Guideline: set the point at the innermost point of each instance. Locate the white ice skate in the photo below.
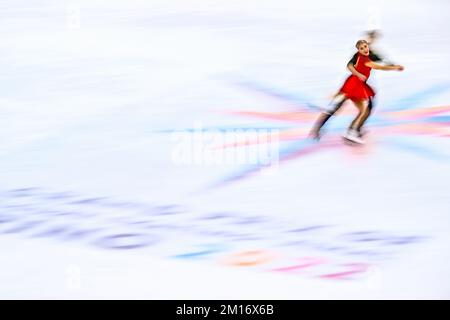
(353, 136)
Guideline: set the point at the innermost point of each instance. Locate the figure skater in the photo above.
(356, 89)
(375, 56)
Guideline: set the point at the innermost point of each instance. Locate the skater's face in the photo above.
(363, 48)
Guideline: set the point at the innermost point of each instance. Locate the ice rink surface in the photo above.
(110, 114)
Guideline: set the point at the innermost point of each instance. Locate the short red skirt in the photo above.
(355, 89)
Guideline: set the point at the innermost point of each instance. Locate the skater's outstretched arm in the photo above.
(377, 66)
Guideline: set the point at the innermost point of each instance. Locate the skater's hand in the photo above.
(361, 77)
(400, 68)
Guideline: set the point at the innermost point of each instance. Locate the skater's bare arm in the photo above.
(352, 69)
(377, 66)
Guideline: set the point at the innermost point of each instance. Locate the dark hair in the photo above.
(373, 33)
(360, 42)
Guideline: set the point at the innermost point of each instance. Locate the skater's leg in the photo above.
(352, 133)
(325, 116)
(362, 115)
(366, 115)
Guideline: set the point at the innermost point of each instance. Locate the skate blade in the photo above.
(352, 142)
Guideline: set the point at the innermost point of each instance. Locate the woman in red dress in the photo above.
(356, 89)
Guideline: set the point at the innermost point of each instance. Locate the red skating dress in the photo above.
(354, 88)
